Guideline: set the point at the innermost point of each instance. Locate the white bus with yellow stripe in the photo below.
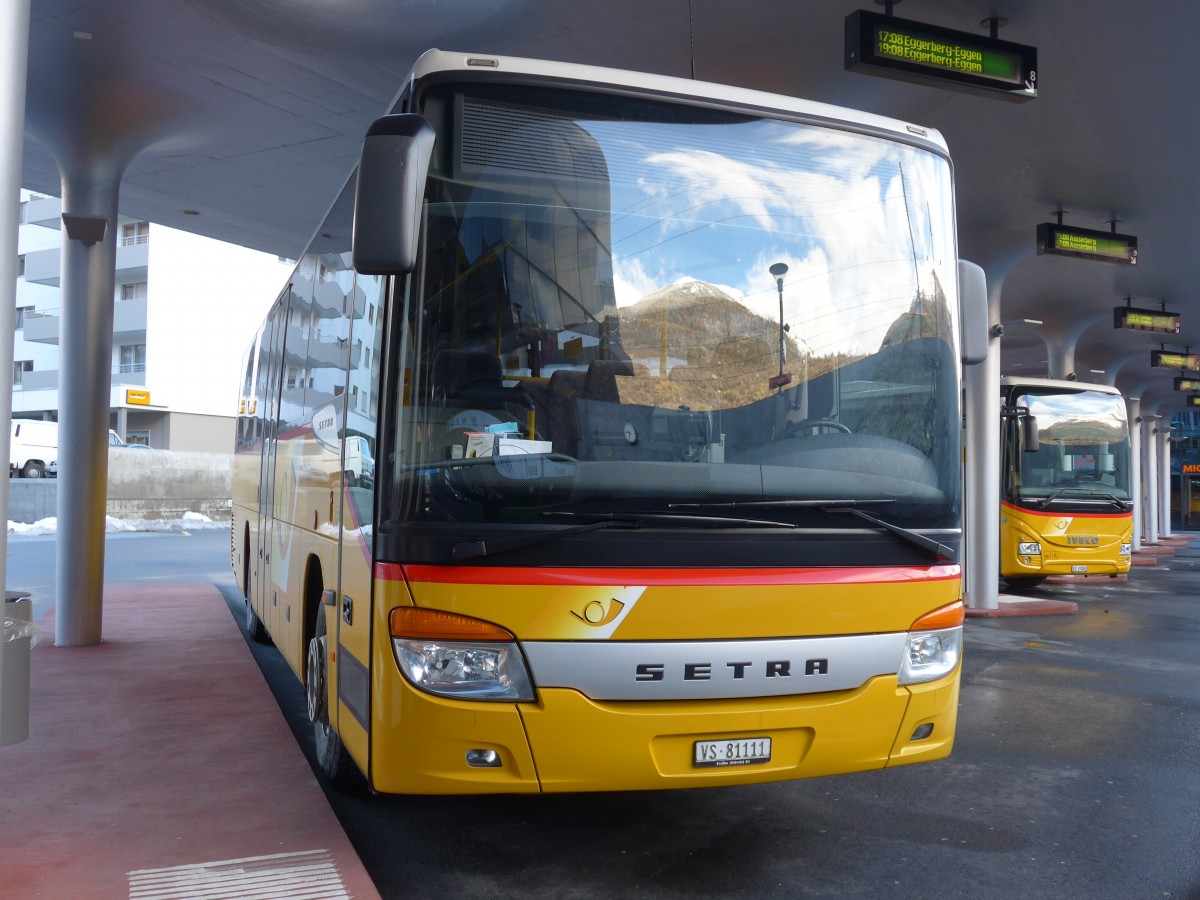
(660, 381)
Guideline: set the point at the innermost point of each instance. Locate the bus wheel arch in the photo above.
(332, 757)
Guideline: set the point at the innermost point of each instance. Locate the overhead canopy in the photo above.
(240, 121)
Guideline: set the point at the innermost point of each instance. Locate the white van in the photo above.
(360, 465)
(33, 448)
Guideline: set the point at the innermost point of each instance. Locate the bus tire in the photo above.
(32, 469)
(332, 757)
(254, 626)
(1024, 582)
(255, 629)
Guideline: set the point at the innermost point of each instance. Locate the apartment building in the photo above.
(185, 309)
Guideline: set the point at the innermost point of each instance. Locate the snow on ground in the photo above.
(190, 521)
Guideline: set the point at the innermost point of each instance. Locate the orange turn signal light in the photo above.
(948, 616)
(435, 625)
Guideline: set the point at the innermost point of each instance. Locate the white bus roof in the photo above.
(1062, 383)
(433, 61)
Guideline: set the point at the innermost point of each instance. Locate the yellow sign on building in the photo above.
(135, 397)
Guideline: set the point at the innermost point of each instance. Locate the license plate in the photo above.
(1079, 570)
(736, 752)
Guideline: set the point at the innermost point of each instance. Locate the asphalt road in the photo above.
(1076, 774)
(129, 558)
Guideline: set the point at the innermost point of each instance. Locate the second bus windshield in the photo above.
(632, 304)
(1083, 451)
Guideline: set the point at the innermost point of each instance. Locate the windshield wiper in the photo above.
(478, 549)
(1088, 494)
(938, 549)
(1051, 497)
(1115, 500)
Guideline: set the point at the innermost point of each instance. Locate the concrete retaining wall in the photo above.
(142, 484)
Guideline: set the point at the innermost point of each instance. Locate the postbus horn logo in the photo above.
(599, 613)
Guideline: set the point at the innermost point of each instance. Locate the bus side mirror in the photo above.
(973, 308)
(1030, 441)
(389, 195)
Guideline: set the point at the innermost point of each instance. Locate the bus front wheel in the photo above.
(254, 626)
(332, 757)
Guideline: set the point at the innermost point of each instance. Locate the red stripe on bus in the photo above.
(660, 577)
(1065, 515)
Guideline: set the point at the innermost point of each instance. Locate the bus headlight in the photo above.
(1029, 548)
(1126, 550)
(934, 644)
(456, 656)
(930, 655)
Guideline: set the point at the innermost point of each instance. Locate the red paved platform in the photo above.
(159, 765)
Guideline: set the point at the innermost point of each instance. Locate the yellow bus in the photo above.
(1066, 506)
(659, 384)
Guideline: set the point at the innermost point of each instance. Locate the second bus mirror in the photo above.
(389, 194)
(1030, 440)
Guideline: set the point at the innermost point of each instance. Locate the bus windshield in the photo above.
(626, 304)
(1083, 453)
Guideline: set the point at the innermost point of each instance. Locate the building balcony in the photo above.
(43, 267)
(46, 380)
(129, 376)
(133, 259)
(129, 321)
(44, 211)
(41, 328)
(129, 324)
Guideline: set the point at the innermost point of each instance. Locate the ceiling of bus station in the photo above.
(248, 115)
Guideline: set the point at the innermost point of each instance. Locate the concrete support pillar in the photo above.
(1150, 484)
(1060, 357)
(1164, 477)
(89, 205)
(14, 56)
(123, 423)
(1061, 343)
(1134, 406)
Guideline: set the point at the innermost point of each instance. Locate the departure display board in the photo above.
(1087, 243)
(884, 45)
(1194, 400)
(1165, 359)
(1187, 384)
(1145, 320)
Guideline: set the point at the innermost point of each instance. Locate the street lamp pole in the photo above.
(778, 270)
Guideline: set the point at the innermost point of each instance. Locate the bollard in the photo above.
(14, 668)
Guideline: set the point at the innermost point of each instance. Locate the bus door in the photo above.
(273, 345)
(353, 629)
